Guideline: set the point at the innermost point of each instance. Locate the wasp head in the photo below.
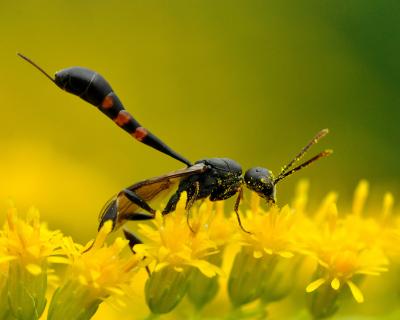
(261, 181)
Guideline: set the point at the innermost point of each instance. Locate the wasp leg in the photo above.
(191, 188)
(134, 239)
(138, 216)
(192, 193)
(109, 213)
(237, 203)
(138, 200)
(172, 202)
(111, 210)
(192, 197)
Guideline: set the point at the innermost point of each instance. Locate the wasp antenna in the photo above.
(36, 66)
(303, 151)
(320, 155)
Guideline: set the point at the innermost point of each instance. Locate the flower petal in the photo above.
(34, 269)
(315, 285)
(335, 284)
(356, 292)
(206, 268)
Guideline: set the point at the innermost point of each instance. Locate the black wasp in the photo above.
(216, 178)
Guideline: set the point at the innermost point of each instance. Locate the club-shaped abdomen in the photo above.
(85, 83)
(261, 181)
(93, 88)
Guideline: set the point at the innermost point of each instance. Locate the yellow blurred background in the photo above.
(249, 80)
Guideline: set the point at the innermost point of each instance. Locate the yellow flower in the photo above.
(29, 247)
(178, 245)
(326, 253)
(173, 243)
(344, 251)
(93, 276)
(4, 309)
(271, 232)
(269, 240)
(30, 242)
(203, 289)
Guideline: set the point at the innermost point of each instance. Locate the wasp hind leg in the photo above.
(138, 201)
(133, 240)
(110, 210)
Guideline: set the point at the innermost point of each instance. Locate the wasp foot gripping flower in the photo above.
(270, 240)
(29, 247)
(92, 277)
(176, 250)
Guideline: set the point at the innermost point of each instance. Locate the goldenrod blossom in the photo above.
(202, 289)
(269, 239)
(327, 252)
(173, 243)
(343, 252)
(93, 276)
(29, 246)
(176, 248)
(4, 309)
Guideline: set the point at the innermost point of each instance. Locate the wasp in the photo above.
(213, 178)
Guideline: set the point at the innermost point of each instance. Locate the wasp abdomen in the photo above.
(93, 88)
(84, 83)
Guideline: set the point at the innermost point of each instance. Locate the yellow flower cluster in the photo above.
(201, 264)
(27, 252)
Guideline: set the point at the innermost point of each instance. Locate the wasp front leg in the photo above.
(237, 203)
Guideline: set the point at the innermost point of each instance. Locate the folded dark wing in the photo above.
(151, 188)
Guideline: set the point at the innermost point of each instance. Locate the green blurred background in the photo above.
(249, 80)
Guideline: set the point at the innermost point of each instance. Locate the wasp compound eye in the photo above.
(261, 181)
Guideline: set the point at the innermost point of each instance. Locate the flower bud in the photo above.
(73, 301)
(165, 288)
(248, 276)
(4, 309)
(322, 302)
(281, 280)
(203, 289)
(27, 290)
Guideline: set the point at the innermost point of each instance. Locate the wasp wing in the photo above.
(147, 190)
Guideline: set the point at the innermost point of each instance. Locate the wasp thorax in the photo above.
(261, 180)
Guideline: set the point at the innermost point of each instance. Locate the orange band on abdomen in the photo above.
(140, 133)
